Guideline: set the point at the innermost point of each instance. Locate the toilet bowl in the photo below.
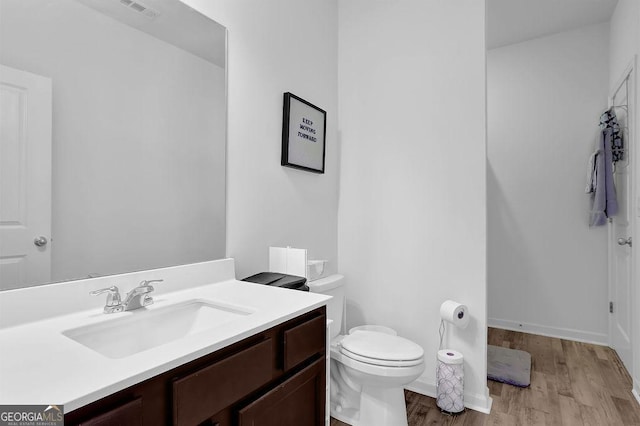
(369, 367)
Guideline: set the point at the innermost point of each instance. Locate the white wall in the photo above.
(135, 125)
(547, 268)
(624, 44)
(277, 46)
(624, 39)
(412, 222)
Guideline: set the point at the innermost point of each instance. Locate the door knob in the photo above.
(622, 241)
(40, 241)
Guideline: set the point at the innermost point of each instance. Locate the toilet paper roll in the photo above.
(449, 356)
(455, 313)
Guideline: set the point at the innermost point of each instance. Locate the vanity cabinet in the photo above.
(276, 377)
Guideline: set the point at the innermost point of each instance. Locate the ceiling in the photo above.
(514, 21)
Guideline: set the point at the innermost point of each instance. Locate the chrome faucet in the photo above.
(139, 296)
(136, 298)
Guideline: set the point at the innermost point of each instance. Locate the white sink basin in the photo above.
(146, 329)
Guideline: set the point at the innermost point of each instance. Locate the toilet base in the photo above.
(348, 416)
(378, 407)
(383, 406)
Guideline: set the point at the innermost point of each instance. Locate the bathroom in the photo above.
(401, 209)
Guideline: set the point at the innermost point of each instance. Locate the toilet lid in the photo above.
(381, 349)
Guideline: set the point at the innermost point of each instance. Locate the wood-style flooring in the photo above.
(572, 384)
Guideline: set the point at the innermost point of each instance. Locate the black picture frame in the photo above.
(304, 129)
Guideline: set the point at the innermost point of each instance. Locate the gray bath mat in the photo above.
(509, 366)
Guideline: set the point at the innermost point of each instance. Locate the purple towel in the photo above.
(605, 203)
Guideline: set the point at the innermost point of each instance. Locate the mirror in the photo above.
(138, 137)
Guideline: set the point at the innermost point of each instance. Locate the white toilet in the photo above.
(369, 367)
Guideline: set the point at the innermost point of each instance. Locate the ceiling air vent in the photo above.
(140, 8)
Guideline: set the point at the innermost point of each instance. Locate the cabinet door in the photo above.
(299, 401)
(303, 341)
(202, 394)
(129, 414)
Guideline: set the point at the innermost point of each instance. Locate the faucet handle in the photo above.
(147, 283)
(114, 302)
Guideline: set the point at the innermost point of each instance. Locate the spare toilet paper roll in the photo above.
(455, 313)
(449, 356)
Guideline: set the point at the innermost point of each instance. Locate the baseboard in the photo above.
(543, 330)
(477, 402)
(636, 391)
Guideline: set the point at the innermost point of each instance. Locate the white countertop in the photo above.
(39, 365)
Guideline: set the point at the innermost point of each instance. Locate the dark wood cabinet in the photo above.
(303, 341)
(276, 377)
(129, 413)
(208, 390)
(297, 401)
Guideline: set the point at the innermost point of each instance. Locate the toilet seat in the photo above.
(381, 349)
(376, 328)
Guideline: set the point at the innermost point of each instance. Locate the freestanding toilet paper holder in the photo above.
(450, 366)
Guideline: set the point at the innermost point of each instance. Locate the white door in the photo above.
(620, 230)
(25, 178)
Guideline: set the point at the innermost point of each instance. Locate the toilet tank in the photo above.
(332, 285)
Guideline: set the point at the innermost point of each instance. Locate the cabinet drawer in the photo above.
(129, 414)
(303, 341)
(299, 401)
(202, 394)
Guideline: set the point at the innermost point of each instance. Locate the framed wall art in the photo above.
(303, 134)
